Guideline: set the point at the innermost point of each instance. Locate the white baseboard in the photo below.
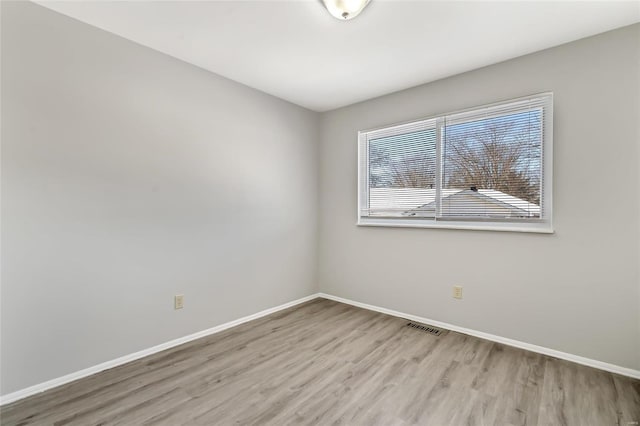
(41, 387)
(624, 371)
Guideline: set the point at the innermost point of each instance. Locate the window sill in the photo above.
(538, 228)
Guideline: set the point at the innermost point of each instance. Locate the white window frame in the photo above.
(537, 225)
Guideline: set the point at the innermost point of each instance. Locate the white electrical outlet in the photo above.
(457, 292)
(178, 301)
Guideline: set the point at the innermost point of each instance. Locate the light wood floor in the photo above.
(327, 363)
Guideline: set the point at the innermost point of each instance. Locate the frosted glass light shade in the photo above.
(345, 9)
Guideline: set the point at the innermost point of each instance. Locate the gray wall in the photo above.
(574, 291)
(128, 177)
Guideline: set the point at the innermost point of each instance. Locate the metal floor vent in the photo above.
(426, 328)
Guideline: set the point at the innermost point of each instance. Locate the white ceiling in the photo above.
(295, 50)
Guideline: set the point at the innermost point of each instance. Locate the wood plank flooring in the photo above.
(327, 363)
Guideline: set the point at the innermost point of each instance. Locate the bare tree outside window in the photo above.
(501, 154)
(414, 170)
(403, 161)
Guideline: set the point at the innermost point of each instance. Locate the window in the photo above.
(483, 168)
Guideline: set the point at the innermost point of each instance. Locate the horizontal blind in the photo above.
(492, 162)
(401, 170)
(484, 164)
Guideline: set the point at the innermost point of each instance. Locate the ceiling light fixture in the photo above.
(345, 9)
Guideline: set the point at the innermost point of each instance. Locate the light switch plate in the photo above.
(178, 301)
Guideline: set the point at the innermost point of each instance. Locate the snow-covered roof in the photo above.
(401, 200)
(404, 198)
(519, 203)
